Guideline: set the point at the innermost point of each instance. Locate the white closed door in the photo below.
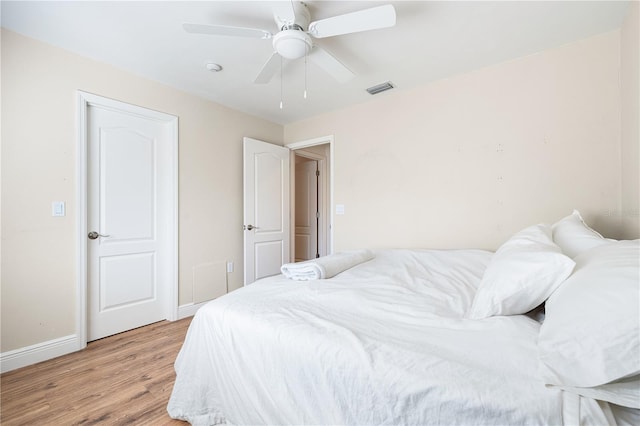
(266, 184)
(129, 220)
(307, 213)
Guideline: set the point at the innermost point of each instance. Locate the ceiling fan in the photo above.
(294, 39)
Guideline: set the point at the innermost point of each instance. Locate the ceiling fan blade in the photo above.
(226, 31)
(284, 13)
(363, 20)
(330, 64)
(269, 69)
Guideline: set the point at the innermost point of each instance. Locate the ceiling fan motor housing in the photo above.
(298, 15)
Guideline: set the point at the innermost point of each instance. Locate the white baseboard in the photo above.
(44, 351)
(33, 354)
(189, 309)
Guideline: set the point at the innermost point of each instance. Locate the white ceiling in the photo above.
(431, 40)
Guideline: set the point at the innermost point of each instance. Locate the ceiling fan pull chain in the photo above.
(280, 82)
(305, 74)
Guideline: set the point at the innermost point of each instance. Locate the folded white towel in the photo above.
(325, 266)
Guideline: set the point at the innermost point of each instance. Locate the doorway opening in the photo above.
(311, 203)
(307, 208)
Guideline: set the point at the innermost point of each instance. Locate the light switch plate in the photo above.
(57, 209)
(339, 208)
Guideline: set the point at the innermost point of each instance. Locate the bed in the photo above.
(427, 337)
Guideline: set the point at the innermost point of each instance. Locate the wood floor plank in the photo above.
(119, 380)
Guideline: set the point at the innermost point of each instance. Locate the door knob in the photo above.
(93, 235)
(249, 227)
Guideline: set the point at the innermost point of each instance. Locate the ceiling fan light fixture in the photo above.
(292, 44)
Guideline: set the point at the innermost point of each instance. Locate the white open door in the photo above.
(266, 209)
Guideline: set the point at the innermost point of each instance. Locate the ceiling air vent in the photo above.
(373, 90)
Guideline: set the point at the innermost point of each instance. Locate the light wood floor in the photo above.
(122, 379)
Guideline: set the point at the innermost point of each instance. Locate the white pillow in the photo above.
(591, 333)
(574, 236)
(521, 275)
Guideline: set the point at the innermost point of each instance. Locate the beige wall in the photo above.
(467, 161)
(462, 162)
(630, 134)
(39, 85)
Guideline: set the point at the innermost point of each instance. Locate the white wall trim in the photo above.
(33, 354)
(311, 142)
(322, 141)
(81, 220)
(190, 309)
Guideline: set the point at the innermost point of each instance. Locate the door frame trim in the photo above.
(84, 101)
(322, 140)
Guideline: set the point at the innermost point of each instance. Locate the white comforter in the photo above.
(382, 343)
